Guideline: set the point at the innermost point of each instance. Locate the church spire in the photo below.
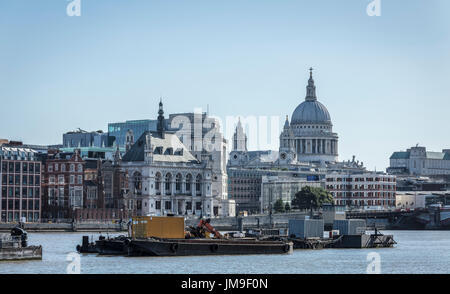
(311, 88)
(160, 127)
(286, 123)
(239, 138)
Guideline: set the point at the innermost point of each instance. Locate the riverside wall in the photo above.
(224, 223)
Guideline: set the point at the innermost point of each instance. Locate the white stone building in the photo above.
(202, 136)
(309, 136)
(418, 161)
(166, 178)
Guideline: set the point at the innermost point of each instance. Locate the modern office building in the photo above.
(102, 153)
(20, 181)
(284, 187)
(81, 138)
(245, 185)
(365, 190)
(118, 131)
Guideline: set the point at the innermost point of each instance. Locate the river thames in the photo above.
(417, 252)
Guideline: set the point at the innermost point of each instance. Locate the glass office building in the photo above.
(119, 130)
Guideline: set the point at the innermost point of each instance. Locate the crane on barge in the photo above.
(201, 229)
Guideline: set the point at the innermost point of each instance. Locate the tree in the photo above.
(287, 207)
(311, 198)
(278, 206)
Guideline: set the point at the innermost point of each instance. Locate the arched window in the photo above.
(178, 183)
(158, 183)
(198, 185)
(168, 184)
(80, 168)
(137, 183)
(188, 183)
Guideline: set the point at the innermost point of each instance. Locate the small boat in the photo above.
(14, 246)
(86, 246)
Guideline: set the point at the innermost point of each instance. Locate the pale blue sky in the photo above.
(385, 80)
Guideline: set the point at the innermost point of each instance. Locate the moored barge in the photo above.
(188, 247)
(166, 236)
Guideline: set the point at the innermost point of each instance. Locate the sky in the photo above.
(384, 79)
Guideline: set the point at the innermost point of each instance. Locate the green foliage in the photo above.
(278, 206)
(311, 198)
(287, 207)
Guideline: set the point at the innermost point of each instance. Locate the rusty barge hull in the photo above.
(196, 247)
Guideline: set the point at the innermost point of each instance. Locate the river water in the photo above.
(417, 252)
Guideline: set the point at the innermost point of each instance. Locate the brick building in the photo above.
(62, 185)
(105, 191)
(20, 182)
(365, 190)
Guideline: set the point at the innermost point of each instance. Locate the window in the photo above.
(158, 184)
(168, 184)
(51, 180)
(198, 185)
(50, 168)
(178, 183)
(72, 168)
(60, 179)
(80, 168)
(188, 183)
(80, 180)
(56, 167)
(198, 205)
(72, 179)
(168, 205)
(137, 180)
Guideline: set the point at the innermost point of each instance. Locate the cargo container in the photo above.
(306, 228)
(157, 226)
(350, 226)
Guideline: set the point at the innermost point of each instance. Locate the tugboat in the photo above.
(14, 246)
(86, 246)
